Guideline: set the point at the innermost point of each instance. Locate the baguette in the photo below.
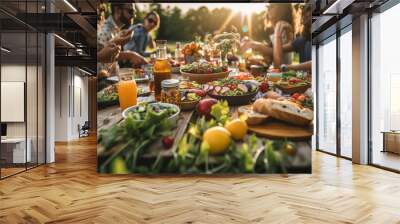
(284, 110)
(253, 118)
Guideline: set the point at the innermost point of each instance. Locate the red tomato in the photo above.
(301, 98)
(295, 95)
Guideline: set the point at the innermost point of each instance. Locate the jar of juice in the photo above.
(162, 68)
(170, 91)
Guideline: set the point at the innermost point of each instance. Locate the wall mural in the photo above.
(204, 88)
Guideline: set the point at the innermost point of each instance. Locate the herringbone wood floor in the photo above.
(70, 191)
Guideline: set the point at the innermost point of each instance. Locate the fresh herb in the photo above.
(220, 112)
(125, 142)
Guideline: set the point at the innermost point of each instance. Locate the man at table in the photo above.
(115, 30)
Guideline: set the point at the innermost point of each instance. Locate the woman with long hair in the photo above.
(301, 44)
(141, 38)
(274, 14)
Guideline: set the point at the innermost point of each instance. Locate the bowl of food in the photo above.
(185, 84)
(235, 92)
(293, 85)
(138, 112)
(190, 98)
(107, 97)
(274, 75)
(138, 74)
(203, 72)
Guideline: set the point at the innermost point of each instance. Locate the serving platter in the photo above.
(235, 100)
(293, 89)
(204, 78)
(277, 129)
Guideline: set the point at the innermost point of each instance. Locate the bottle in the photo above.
(162, 68)
(178, 53)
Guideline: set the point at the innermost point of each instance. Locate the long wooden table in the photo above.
(111, 115)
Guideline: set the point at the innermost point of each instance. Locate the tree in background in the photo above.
(178, 26)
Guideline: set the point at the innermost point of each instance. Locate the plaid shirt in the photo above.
(107, 31)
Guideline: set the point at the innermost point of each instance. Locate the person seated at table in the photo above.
(114, 30)
(301, 44)
(109, 53)
(141, 38)
(274, 14)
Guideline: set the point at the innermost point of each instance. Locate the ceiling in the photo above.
(331, 14)
(72, 20)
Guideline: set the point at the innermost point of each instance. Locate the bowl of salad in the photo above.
(235, 92)
(190, 98)
(138, 112)
(203, 72)
(107, 97)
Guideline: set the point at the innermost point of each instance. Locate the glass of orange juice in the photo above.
(127, 91)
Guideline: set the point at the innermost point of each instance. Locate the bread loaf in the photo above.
(253, 118)
(284, 110)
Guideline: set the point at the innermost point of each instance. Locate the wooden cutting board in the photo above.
(279, 129)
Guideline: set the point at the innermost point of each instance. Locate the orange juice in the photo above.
(127, 93)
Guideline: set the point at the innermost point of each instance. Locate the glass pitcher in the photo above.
(162, 68)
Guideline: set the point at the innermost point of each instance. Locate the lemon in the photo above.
(217, 139)
(237, 128)
(118, 166)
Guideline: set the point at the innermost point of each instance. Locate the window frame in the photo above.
(347, 23)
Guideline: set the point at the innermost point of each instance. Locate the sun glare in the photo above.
(245, 8)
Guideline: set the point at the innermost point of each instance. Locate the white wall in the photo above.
(70, 83)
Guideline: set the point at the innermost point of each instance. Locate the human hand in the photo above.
(109, 53)
(123, 37)
(245, 44)
(281, 27)
(136, 59)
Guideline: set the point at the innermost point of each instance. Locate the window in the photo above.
(346, 93)
(327, 96)
(22, 77)
(385, 88)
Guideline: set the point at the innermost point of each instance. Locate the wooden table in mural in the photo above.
(109, 116)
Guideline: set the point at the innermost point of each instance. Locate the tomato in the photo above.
(301, 97)
(167, 142)
(263, 87)
(295, 95)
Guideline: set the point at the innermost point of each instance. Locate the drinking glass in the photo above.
(127, 91)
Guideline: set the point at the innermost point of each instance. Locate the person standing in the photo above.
(301, 44)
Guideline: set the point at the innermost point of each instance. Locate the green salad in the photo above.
(230, 87)
(140, 112)
(108, 94)
(203, 67)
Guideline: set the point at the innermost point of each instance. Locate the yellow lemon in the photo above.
(118, 166)
(237, 128)
(218, 139)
